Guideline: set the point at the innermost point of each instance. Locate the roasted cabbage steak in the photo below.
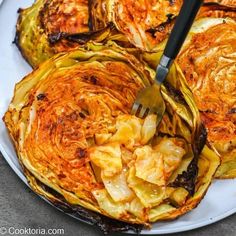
(42, 29)
(80, 148)
(208, 62)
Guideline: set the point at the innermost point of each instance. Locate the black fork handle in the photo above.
(182, 26)
(178, 34)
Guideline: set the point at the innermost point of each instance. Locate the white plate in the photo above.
(220, 200)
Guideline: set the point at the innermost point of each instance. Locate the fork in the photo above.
(149, 100)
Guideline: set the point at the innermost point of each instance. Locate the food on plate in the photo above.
(218, 9)
(208, 62)
(52, 26)
(41, 26)
(223, 2)
(145, 23)
(81, 149)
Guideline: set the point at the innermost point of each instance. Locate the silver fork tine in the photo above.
(134, 108)
(142, 112)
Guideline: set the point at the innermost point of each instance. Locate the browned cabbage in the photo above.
(81, 149)
(42, 28)
(208, 61)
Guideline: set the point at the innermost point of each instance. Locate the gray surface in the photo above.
(20, 207)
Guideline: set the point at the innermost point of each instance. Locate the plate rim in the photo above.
(176, 229)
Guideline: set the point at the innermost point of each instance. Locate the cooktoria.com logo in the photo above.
(29, 231)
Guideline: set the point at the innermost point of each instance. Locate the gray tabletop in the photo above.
(20, 208)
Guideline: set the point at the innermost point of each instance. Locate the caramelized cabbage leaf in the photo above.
(80, 147)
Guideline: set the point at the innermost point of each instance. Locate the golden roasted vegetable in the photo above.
(80, 147)
(218, 9)
(222, 2)
(145, 23)
(208, 61)
(52, 26)
(41, 28)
